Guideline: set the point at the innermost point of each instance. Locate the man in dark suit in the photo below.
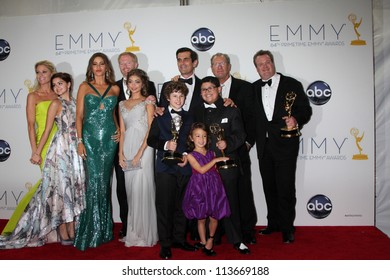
(278, 155)
(241, 93)
(187, 61)
(211, 112)
(127, 61)
(171, 179)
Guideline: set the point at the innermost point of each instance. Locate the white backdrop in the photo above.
(311, 41)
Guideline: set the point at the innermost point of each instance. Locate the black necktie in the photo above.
(176, 112)
(187, 81)
(269, 82)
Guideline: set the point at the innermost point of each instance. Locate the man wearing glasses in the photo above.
(240, 91)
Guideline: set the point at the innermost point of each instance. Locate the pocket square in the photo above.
(224, 120)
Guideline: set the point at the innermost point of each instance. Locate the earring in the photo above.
(91, 75)
(107, 76)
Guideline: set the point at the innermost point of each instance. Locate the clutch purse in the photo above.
(130, 167)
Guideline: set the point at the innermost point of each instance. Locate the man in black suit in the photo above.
(187, 61)
(211, 112)
(171, 179)
(278, 155)
(127, 61)
(241, 93)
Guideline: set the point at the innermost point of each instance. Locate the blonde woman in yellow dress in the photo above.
(38, 102)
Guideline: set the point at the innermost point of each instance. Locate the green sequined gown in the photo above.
(96, 223)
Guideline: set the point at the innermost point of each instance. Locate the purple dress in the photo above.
(205, 194)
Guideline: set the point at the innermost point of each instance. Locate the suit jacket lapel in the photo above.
(233, 89)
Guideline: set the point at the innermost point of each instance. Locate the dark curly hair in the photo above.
(175, 87)
(109, 75)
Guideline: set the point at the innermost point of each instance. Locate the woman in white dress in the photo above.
(137, 160)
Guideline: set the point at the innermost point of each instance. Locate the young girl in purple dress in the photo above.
(205, 196)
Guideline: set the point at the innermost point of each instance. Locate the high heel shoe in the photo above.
(66, 242)
(209, 252)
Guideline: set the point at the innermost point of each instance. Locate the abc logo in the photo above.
(319, 206)
(5, 150)
(319, 92)
(203, 39)
(5, 49)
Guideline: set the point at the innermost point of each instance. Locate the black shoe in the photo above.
(267, 231)
(165, 253)
(184, 246)
(288, 237)
(242, 248)
(122, 234)
(199, 245)
(209, 252)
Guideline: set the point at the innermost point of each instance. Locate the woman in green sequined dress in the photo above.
(98, 135)
(38, 102)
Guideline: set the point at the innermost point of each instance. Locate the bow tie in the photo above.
(176, 112)
(210, 105)
(269, 83)
(187, 81)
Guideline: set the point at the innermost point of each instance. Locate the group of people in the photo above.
(206, 192)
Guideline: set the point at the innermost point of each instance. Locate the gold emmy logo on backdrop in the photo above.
(130, 31)
(28, 186)
(237, 75)
(356, 25)
(355, 133)
(289, 132)
(29, 85)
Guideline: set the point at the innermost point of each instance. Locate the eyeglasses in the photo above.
(209, 89)
(219, 64)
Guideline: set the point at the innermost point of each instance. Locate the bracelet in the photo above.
(79, 140)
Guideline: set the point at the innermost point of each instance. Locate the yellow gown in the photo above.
(40, 120)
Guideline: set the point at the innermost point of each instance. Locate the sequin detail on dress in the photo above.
(96, 223)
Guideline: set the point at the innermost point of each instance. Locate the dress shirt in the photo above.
(125, 89)
(268, 95)
(209, 105)
(226, 87)
(187, 102)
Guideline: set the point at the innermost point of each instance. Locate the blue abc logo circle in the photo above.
(319, 206)
(5, 49)
(203, 39)
(319, 92)
(5, 150)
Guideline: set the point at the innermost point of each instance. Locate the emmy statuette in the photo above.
(218, 132)
(287, 132)
(173, 157)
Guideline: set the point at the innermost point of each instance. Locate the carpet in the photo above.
(311, 243)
